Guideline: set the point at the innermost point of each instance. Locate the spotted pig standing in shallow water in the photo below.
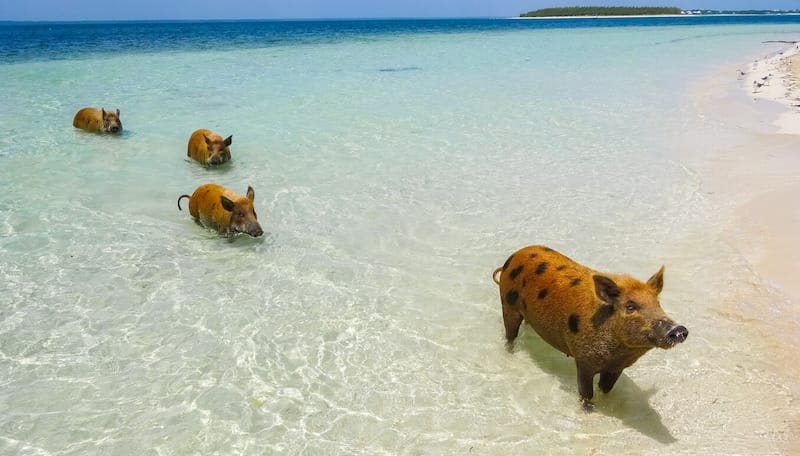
(97, 120)
(604, 321)
(217, 207)
(208, 148)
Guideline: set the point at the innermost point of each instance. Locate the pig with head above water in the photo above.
(217, 207)
(97, 120)
(604, 321)
(208, 148)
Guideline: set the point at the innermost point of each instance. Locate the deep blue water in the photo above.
(25, 41)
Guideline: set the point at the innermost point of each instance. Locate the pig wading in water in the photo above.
(208, 148)
(604, 321)
(97, 120)
(217, 207)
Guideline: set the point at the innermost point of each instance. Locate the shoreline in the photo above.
(745, 150)
(757, 174)
(777, 78)
(773, 216)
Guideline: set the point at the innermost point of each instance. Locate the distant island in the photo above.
(603, 11)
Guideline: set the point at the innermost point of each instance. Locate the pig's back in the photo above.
(197, 148)
(88, 119)
(206, 205)
(549, 289)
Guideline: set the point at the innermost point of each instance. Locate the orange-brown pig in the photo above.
(217, 207)
(97, 120)
(208, 148)
(604, 321)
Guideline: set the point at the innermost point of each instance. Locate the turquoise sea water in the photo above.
(395, 164)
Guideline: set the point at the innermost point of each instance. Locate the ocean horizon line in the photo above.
(232, 20)
(388, 18)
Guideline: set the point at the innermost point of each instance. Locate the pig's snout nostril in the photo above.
(678, 334)
(114, 129)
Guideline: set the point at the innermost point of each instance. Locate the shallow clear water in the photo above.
(393, 173)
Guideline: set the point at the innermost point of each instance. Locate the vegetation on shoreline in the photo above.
(602, 11)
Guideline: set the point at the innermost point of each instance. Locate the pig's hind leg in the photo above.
(512, 319)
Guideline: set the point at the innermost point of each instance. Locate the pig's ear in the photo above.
(117, 112)
(208, 141)
(656, 282)
(251, 195)
(228, 140)
(606, 289)
(103, 112)
(226, 203)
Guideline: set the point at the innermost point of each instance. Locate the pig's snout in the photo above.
(114, 129)
(677, 334)
(255, 230)
(666, 334)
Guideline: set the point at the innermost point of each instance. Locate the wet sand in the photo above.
(772, 216)
(758, 174)
(747, 156)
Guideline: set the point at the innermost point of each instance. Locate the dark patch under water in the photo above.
(398, 69)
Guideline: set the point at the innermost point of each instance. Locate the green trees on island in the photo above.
(602, 11)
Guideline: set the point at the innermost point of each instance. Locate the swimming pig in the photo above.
(209, 148)
(97, 120)
(604, 321)
(216, 207)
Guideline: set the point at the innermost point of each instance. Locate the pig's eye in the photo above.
(631, 307)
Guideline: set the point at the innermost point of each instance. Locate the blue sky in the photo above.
(70, 10)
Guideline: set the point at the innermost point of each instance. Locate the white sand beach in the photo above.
(754, 169)
(750, 168)
(777, 78)
(769, 221)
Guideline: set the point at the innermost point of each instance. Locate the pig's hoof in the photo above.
(588, 407)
